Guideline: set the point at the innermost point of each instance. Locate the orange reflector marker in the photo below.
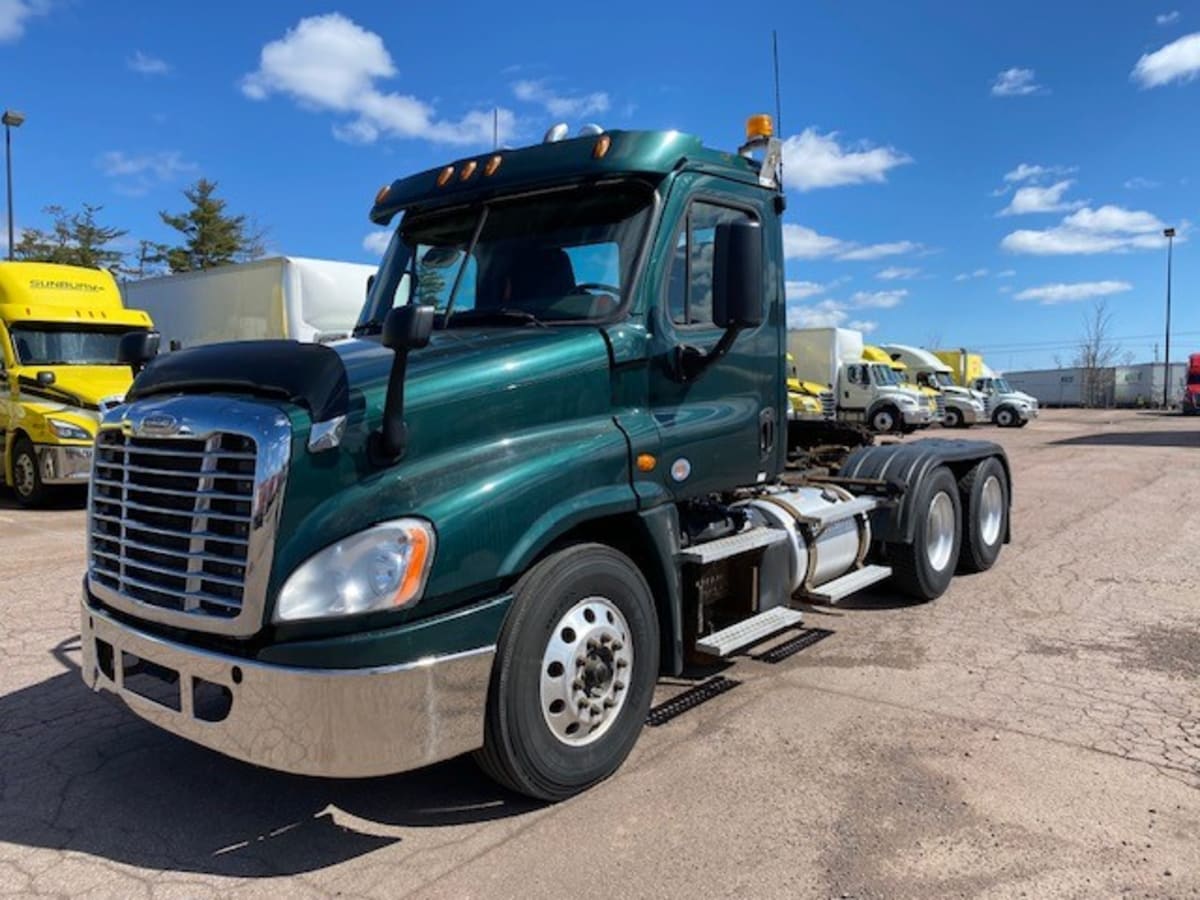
(492, 165)
(468, 170)
(445, 175)
(419, 543)
(383, 192)
(759, 126)
(645, 462)
(602, 144)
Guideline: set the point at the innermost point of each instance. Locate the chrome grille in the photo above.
(171, 519)
(941, 405)
(828, 406)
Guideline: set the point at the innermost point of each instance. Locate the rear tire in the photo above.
(26, 477)
(923, 568)
(984, 492)
(574, 674)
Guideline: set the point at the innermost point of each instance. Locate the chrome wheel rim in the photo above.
(884, 421)
(23, 475)
(939, 531)
(1004, 417)
(586, 668)
(991, 510)
(952, 418)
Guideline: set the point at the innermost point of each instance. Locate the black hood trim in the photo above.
(309, 375)
(33, 388)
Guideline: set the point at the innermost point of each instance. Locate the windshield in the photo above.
(69, 345)
(1002, 386)
(561, 256)
(883, 375)
(943, 379)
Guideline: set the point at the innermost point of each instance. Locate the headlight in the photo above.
(384, 567)
(67, 431)
(907, 401)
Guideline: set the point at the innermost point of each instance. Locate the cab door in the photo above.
(857, 392)
(721, 428)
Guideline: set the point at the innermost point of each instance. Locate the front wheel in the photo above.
(953, 418)
(574, 674)
(923, 567)
(885, 420)
(26, 477)
(1005, 417)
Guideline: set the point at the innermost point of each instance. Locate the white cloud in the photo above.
(15, 15)
(813, 160)
(1028, 172)
(878, 251)
(137, 174)
(377, 242)
(147, 65)
(1177, 61)
(799, 290)
(559, 105)
(332, 64)
(1006, 273)
(967, 276)
(1052, 294)
(1031, 198)
(877, 299)
(1016, 83)
(1108, 229)
(1138, 183)
(864, 325)
(1167, 18)
(800, 242)
(826, 314)
(897, 273)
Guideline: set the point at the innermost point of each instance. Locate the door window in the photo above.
(689, 287)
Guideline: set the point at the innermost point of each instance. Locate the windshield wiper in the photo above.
(502, 315)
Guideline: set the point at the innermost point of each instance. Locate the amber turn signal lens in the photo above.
(602, 144)
(645, 462)
(382, 194)
(759, 126)
(468, 170)
(445, 175)
(492, 165)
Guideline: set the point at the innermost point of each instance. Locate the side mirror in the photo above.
(370, 284)
(406, 328)
(137, 348)
(45, 379)
(738, 275)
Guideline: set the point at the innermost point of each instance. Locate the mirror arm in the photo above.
(692, 362)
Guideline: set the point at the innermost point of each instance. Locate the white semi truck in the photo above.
(964, 407)
(865, 392)
(308, 300)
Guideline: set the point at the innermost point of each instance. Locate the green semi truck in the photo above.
(554, 463)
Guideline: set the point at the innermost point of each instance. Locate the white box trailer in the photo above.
(1051, 387)
(1142, 384)
(280, 297)
(818, 353)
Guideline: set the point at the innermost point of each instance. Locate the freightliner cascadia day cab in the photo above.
(963, 406)
(865, 392)
(280, 297)
(928, 393)
(549, 467)
(60, 327)
(1189, 403)
(1003, 405)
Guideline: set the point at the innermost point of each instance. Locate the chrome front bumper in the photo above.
(61, 464)
(919, 416)
(342, 723)
(970, 414)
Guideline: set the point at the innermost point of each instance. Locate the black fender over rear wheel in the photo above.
(574, 674)
(984, 492)
(923, 567)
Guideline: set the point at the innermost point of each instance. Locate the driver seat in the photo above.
(541, 273)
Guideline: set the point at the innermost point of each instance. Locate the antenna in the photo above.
(775, 55)
(495, 127)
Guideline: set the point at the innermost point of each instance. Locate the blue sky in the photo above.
(956, 171)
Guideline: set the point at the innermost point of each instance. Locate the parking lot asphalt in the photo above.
(1034, 732)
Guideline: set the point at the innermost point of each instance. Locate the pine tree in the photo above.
(212, 237)
(75, 239)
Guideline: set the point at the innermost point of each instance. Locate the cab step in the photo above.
(833, 591)
(749, 631)
(754, 538)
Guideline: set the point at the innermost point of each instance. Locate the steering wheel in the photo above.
(598, 286)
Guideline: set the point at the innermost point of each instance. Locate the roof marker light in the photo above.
(382, 194)
(759, 126)
(602, 144)
(468, 170)
(445, 175)
(493, 164)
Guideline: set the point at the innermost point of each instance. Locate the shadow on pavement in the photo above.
(81, 772)
(1135, 439)
(59, 499)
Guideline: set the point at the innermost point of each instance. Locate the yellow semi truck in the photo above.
(60, 327)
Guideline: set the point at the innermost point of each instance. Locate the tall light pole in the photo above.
(1169, 234)
(11, 119)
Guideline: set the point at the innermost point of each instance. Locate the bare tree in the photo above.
(1096, 355)
(933, 340)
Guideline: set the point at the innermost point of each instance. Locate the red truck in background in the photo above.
(1190, 402)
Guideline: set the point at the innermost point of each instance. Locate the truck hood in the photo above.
(81, 387)
(965, 393)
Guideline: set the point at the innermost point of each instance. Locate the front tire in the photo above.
(984, 492)
(952, 419)
(1005, 417)
(923, 568)
(26, 477)
(574, 675)
(885, 420)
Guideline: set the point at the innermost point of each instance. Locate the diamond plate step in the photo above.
(841, 511)
(736, 544)
(749, 631)
(833, 591)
